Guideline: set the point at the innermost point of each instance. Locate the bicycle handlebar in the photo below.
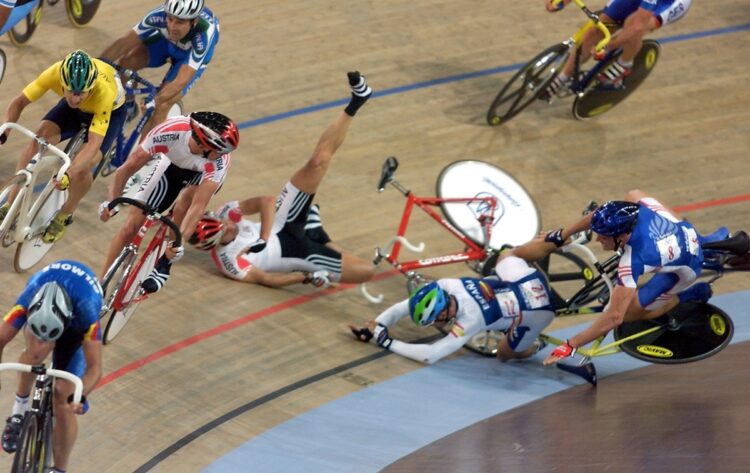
(148, 210)
(130, 74)
(601, 45)
(43, 143)
(41, 370)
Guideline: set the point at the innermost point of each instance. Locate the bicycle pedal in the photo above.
(69, 220)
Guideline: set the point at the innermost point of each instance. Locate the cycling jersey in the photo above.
(666, 11)
(660, 243)
(519, 302)
(178, 167)
(194, 49)
(82, 287)
(289, 248)
(106, 95)
(8, 3)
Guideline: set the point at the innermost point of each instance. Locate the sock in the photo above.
(21, 405)
(360, 92)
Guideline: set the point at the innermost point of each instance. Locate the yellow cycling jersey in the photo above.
(106, 95)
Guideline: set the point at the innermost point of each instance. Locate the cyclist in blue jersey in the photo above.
(181, 32)
(12, 11)
(518, 301)
(653, 239)
(59, 309)
(636, 18)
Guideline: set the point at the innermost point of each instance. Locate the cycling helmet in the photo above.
(184, 9)
(50, 312)
(426, 303)
(208, 232)
(78, 72)
(614, 218)
(214, 130)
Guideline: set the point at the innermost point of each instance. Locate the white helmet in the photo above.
(49, 312)
(184, 9)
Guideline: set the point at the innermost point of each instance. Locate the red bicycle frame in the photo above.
(156, 242)
(473, 251)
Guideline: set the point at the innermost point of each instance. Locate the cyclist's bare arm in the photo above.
(198, 205)
(258, 276)
(636, 195)
(171, 91)
(92, 353)
(135, 161)
(15, 108)
(121, 46)
(265, 206)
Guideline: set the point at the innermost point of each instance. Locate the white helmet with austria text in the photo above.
(184, 9)
(49, 312)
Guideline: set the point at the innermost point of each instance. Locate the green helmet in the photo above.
(78, 72)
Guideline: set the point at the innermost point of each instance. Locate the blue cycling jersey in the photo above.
(195, 49)
(497, 298)
(659, 243)
(82, 287)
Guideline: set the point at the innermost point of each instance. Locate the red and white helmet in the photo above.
(215, 131)
(208, 232)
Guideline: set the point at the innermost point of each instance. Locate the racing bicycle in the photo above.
(690, 332)
(36, 201)
(122, 282)
(27, 14)
(591, 97)
(496, 200)
(34, 452)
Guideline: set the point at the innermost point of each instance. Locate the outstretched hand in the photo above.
(560, 353)
(363, 334)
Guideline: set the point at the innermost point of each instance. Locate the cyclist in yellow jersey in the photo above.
(92, 94)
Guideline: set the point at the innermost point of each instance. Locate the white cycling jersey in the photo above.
(471, 319)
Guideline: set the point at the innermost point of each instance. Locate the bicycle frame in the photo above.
(22, 205)
(473, 252)
(158, 241)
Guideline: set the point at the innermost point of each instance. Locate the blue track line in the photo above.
(466, 76)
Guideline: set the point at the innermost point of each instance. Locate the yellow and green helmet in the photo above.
(78, 72)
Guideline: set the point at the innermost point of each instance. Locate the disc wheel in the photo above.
(24, 29)
(81, 12)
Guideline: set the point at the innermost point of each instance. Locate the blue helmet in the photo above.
(426, 303)
(614, 218)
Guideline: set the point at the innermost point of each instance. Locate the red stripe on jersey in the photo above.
(171, 125)
(159, 149)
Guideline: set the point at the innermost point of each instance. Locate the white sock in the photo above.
(21, 405)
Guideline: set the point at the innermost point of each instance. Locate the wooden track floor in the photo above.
(207, 345)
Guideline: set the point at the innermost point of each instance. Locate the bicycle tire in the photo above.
(26, 456)
(30, 252)
(596, 100)
(3, 64)
(536, 76)
(516, 212)
(120, 317)
(31, 21)
(81, 12)
(115, 276)
(45, 453)
(692, 331)
(7, 226)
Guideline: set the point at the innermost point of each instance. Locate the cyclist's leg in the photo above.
(308, 178)
(660, 294)
(68, 356)
(519, 341)
(125, 235)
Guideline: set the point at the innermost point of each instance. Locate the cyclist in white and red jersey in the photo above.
(652, 239)
(287, 246)
(194, 158)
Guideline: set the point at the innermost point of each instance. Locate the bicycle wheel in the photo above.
(121, 313)
(8, 225)
(45, 205)
(22, 31)
(80, 12)
(600, 99)
(44, 456)
(516, 216)
(26, 458)
(114, 278)
(527, 84)
(3, 62)
(691, 331)
(30, 251)
(485, 343)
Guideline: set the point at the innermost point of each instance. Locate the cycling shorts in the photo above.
(666, 11)
(71, 120)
